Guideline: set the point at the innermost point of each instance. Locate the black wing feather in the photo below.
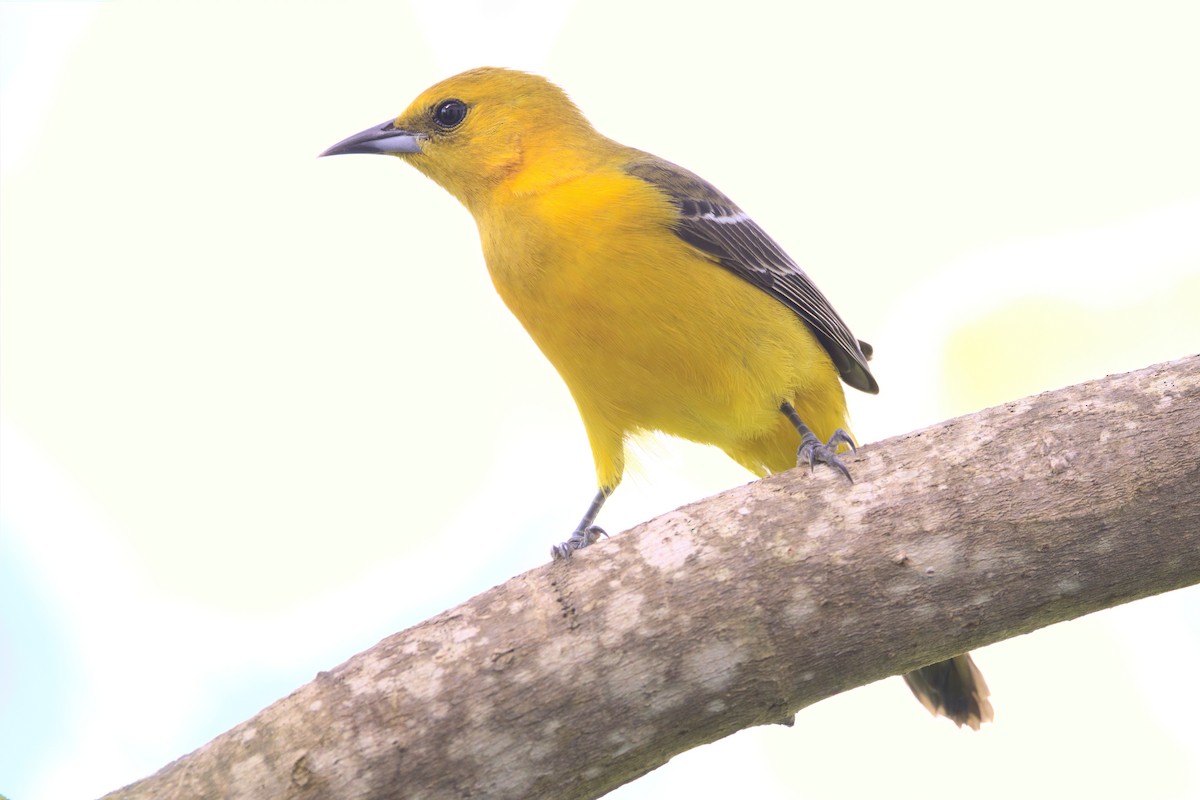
(713, 223)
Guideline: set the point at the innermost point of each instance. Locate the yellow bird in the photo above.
(662, 305)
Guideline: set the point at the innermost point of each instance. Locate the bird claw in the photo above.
(579, 540)
(812, 451)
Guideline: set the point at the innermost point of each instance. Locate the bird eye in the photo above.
(449, 113)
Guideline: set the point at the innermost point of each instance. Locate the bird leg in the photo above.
(585, 532)
(812, 450)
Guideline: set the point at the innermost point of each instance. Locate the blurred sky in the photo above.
(261, 410)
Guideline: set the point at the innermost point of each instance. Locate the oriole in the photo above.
(663, 306)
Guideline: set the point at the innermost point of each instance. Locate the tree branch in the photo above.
(574, 678)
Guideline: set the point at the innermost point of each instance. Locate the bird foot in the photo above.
(812, 451)
(579, 540)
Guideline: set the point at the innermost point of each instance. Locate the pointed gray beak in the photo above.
(385, 139)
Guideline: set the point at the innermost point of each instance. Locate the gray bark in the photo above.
(574, 678)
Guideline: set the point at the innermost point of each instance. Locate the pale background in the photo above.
(261, 410)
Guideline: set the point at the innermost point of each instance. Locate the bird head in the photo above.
(474, 131)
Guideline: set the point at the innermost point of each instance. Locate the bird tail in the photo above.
(955, 689)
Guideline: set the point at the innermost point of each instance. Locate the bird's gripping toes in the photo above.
(812, 450)
(586, 533)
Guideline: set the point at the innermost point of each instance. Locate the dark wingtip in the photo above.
(857, 376)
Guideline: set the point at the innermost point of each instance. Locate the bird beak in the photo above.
(385, 139)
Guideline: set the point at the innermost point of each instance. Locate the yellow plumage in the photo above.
(649, 334)
(663, 306)
(645, 329)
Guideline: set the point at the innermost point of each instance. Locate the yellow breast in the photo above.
(647, 332)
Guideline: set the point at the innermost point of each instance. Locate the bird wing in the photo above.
(713, 223)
